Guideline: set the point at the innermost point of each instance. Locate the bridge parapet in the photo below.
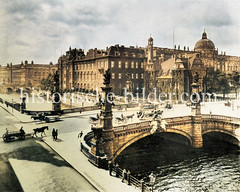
(131, 126)
(191, 127)
(222, 118)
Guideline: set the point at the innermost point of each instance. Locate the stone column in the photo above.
(103, 132)
(56, 105)
(197, 140)
(196, 107)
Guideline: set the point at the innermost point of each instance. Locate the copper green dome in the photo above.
(204, 44)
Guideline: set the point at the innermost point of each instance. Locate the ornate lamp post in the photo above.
(152, 178)
(104, 128)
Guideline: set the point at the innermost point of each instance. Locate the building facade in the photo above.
(84, 72)
(25, 74)
(167, 70)
(173, 70)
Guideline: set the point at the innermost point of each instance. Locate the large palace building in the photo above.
(25, 74)
(173, 70)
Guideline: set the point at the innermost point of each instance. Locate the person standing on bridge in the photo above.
(124, 173)
(110, 167)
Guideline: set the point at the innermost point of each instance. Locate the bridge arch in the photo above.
(143, 135)
(235, 140)
(128, 143)
(180, 132)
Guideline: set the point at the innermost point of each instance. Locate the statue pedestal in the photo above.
(196, 107)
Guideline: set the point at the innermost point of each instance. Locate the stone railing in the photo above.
(128, 178)
(140, 125)
(221, 117)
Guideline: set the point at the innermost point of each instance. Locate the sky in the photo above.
(43, 30)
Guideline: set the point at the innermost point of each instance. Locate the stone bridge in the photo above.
(191, 127)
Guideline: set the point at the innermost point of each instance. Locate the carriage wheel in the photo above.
(4, 138)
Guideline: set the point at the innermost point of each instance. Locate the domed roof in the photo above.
(204, 44)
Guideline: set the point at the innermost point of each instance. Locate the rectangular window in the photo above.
(113, 75)
(136, 75)
(132, 76)
(126, 65)
(132, 64)
(119, 64)
(136, 65)
(120, 76)
(112, 64)
(142, 65)
(141, 75)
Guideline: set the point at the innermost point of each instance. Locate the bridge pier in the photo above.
(197, 140)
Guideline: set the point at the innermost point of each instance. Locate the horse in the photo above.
(140, 114)
(40, 130)
(93, 119)
(130, 116)
(35, 117)
(120, 119)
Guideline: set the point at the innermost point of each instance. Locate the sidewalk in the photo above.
(68, 147)
(23, 118)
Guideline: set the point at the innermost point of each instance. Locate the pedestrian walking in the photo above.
(56, 134)
(80, 134)
(80, 110)
(53, 134)
(6, 131)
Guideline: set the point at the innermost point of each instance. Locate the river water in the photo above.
(178, 167)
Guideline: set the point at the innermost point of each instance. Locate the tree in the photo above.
(48, 83)
(223, 84)
(217, 82)
(234, 81)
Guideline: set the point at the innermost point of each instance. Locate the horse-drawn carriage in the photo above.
(20, 135)
(44, 117)
(13, 135)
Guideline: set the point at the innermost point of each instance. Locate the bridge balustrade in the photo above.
(221, 117)
(133, 181)
(141, 125)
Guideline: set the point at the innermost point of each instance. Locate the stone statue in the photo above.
(107, 77)
(196, 77)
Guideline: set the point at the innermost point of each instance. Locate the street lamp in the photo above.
(152, 178)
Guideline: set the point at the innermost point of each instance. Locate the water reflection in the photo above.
(178, 167)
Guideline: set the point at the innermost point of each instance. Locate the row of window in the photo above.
(232, 68)
(103, 64)
(132, 76)
(127, 64)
